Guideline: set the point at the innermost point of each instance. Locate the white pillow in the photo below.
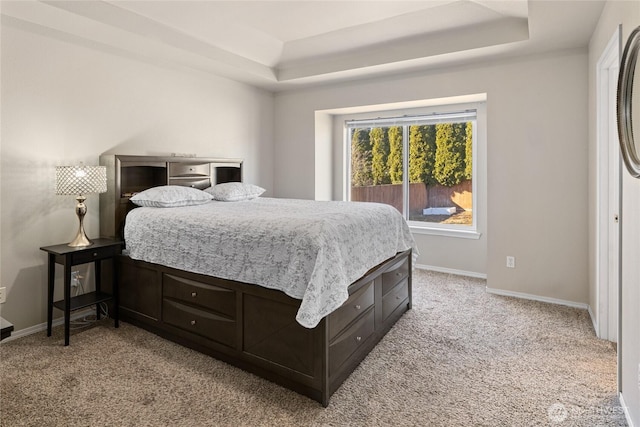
(171, 196)
(234, 191)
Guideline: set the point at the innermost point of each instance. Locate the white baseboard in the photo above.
(511, 293)
(627, 415)
(43, 326)
(451, 271)
(537, 298)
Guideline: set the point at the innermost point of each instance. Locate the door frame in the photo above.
(607, 293)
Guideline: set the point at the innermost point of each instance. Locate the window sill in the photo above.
(446, 232)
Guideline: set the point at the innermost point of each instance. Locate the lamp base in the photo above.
(81, 239)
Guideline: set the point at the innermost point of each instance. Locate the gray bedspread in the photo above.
(309, 250)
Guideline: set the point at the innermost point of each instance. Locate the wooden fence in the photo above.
(421, 196)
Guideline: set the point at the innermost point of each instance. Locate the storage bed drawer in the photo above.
(394, 275)
(357, 304)
(208, 297)
(341, 349)
(208, 324)
(394, 298)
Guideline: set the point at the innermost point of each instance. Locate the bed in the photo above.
(297, 292)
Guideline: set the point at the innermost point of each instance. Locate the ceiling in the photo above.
(283, 44)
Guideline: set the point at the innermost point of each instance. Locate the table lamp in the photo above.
(81, 180)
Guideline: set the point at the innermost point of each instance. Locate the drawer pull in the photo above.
(95, 254)
(193, 322)
(358, 339)
(357, 307)
(194, 294)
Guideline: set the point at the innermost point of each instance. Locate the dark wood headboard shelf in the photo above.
(127, 175)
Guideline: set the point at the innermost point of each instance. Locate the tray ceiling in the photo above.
(279, 44)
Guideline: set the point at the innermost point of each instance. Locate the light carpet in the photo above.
(460, 357)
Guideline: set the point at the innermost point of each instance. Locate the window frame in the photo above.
(479, 135)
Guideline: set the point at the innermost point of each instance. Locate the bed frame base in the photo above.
(254, 328)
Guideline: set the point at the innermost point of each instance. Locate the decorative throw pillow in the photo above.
(171, 196)
(234, 191)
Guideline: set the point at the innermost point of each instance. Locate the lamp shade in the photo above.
(81, 179)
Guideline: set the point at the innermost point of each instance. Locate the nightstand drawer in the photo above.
(350, 340)
(201, 322)
(188, 169)
(90, 255)
(198, 183)
(208, 297)
(395, 298)
(357, 304)
(394, 275)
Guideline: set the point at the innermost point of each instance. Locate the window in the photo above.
(422, 164)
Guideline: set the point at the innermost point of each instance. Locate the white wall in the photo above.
(63, 103)
(615, 13)
(536, 155)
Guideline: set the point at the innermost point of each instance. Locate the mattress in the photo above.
(310, 250)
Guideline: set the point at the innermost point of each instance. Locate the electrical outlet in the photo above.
(3, 295)
(511, 262)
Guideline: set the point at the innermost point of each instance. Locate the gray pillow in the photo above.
(171, 196)
(234, 191)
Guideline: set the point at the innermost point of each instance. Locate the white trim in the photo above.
(607, 64)
(402, 105)
(467, 115)
(451, 271)
(447, 232)
(43, 326)
(523, 295)
(594, 320)
(625, 408)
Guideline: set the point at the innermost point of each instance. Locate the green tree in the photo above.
(450, 152)
(468, 156)
(394, 161)
(422, 154)
(380, 154)
(361, 158)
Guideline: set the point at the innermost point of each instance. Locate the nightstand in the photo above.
(67, 256)
(5, 329)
